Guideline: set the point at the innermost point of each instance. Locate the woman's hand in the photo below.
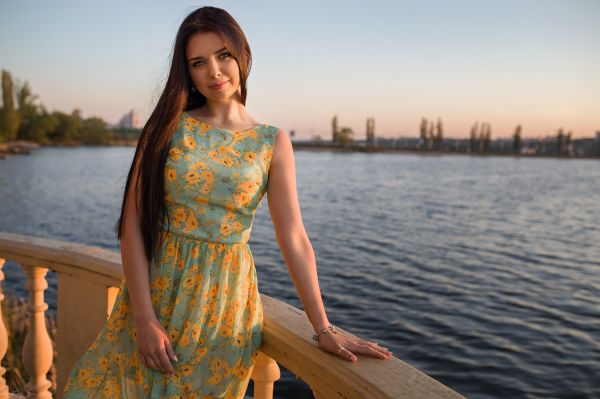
(334, 342)
(154, 346)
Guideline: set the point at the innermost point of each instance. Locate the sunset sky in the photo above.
(534, 63)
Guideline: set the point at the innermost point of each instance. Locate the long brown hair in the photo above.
(177, 96)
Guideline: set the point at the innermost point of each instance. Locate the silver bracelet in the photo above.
(330, 328)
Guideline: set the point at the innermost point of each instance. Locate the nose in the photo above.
(215, 71)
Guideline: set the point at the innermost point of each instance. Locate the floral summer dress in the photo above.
(203, 287)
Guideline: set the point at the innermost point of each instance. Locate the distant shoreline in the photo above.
(330, 148)
(25, 147)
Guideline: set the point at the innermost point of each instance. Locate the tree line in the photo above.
(23, 117)
(431, 137)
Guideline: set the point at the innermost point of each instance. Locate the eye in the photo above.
(223, 55)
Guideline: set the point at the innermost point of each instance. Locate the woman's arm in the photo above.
(133, 258)
(291, 236)
(155, 349)
(298, 253)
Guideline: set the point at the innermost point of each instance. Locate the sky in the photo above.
(504, 62)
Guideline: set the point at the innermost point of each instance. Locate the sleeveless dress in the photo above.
(203, 285)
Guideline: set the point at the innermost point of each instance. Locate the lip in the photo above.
(218, 86)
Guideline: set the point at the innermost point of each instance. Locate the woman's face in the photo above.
(210, 63)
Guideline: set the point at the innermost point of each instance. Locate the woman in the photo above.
(188, 322)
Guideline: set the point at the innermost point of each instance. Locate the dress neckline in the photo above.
(187, 114)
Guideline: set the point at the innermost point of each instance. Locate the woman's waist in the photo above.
(207, 235)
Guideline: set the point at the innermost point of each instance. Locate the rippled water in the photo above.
(483, 272)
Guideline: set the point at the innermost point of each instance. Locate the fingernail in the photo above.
(175, 358)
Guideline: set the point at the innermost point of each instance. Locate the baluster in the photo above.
(3, 338)
(265, 373)
(37, 350)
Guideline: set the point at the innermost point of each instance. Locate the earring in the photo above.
(193, 88)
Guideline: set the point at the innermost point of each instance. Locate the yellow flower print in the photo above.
(205, 189)
(170, 174)
(166, 311)
(195, 269)
(139, 376)
(215, 378)
(179, 215)
(208, 176)
(239, 136)
(184, 340)
(187, 370)
(94, 381)
(264, 158)
(175, 153)
(240, 340)
(201, 350)
(228, 150)
(189, 142)
(249, 157)
(171, 250)
(188, 124)
(84, 374)
(117, 358)
(198, 165)
(216, 364)
(226, 230)
(225, 330)
(192, 177)
(242, 199)
(237, 226)
(160, 283)
(251, 134)
(242, 373)
(214, 155)
(235, 306)
(248, 187)
(134, 361)
(190, 282)
(235, 262)
(228, 218)
(196, 332)
(110, 389)
(227, 161)
(116, 324)
(173, 335)
(122, 309)
(191, 223)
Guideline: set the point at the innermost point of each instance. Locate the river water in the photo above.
(482, 272)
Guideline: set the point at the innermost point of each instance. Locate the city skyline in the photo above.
(530, 63)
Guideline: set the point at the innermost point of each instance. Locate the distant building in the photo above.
(130, 120)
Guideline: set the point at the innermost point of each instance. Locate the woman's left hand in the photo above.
(348, 347)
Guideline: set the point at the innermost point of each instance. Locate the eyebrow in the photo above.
(198, 57)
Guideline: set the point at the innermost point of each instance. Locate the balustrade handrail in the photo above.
(287, 334)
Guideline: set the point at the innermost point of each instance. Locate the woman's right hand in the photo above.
(154, 346)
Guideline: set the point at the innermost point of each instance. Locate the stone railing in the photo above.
(88, 282)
